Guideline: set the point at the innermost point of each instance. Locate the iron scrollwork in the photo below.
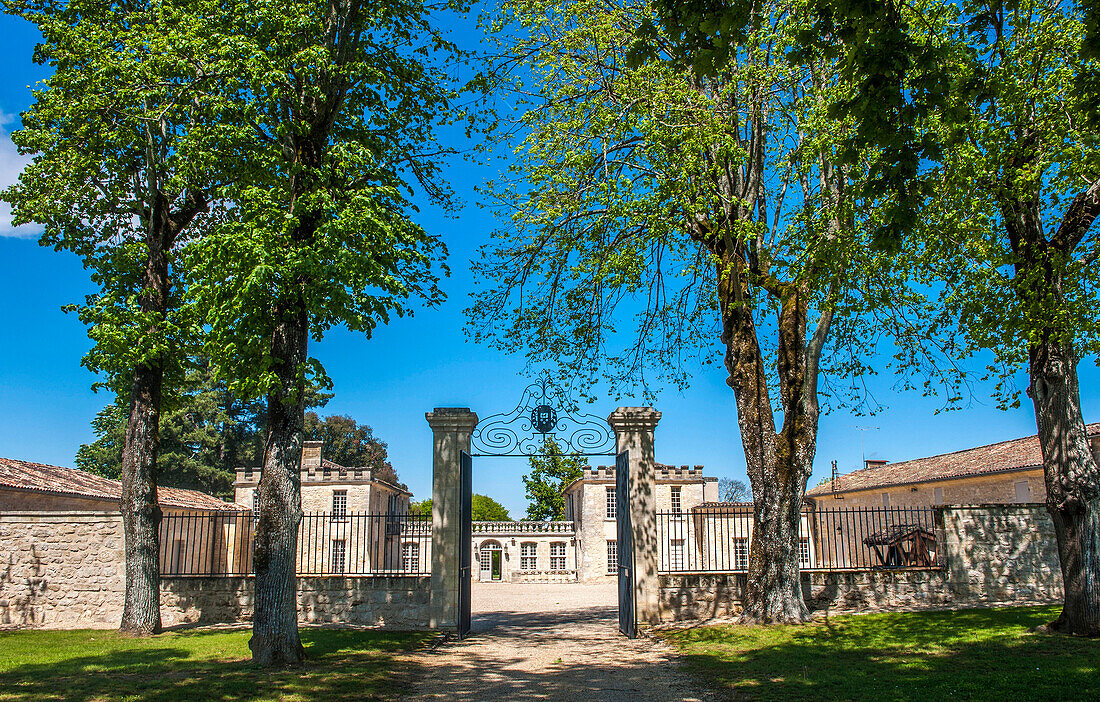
(542, 412)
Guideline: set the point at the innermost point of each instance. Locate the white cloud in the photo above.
(11, 165)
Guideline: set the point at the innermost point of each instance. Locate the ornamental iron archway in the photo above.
(544, 411)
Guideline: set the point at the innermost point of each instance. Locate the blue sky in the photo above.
(413, 365)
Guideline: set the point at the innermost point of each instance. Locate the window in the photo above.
(885, 499)
(410, 557)
(339, 550)
(484, 557)
(937, 495)
(610, 503)
(741, 554)
(676, 499)
(557, 555)
(676, 554)
(256, 503)
(527, 558)
(612, 557)
(339, 504)
(1023, 491)
(804, 552)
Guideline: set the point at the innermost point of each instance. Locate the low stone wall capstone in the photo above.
(994, 554)
(65, 570)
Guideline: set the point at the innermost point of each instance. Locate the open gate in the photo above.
(465, 541)
(624, 546)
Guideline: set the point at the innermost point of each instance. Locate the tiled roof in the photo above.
(39, 477)
(1017, 454)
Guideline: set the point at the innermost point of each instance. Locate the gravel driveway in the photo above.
(549, 642)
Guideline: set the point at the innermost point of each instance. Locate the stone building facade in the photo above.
(1008, 472)
(590, 506)
(331, 488)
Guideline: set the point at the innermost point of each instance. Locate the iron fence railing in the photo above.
(717, 539)
(221, 544)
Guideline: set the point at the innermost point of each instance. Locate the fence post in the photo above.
(634, 427)
(451, 429)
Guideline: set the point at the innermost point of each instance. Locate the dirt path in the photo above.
(549, 642)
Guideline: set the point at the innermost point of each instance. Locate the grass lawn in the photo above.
(197, 665)
(984, 654)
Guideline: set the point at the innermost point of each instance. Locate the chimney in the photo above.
(873, 462)
(311, 456)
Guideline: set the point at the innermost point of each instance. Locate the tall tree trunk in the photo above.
(275, 640)
(1073, 484)
(778, 464)
(139, 505)
(1070, 470)
(138, 502)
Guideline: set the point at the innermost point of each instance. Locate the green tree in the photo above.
(423, 508)
(486, 509)
(551, 472)
(710, 207)
(351, 444)
(343, 102)
(204, 436)
(126, 158)
(1012, 232)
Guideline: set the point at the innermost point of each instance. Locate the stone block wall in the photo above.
(61, 569)
(995, 554)
(66, 570)
(1002, 553)
(398, 602)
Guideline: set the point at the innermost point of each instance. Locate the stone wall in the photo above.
(1002, 553)
(995, 554)
(66, 570)
(398, 602)
(700, 597)
(61, 569)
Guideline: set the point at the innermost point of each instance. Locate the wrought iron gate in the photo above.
(465, 541)
(624, 546)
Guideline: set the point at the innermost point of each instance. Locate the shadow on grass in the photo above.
(971, 654)
(196, 665)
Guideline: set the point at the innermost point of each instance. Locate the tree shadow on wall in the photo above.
(27, 590)
(971, 654)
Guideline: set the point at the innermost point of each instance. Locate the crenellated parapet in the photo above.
(664, 472)
(311, 474)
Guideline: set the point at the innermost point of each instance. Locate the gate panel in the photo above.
(624, 546)
(465, 541)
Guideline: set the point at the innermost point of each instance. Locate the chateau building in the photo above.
(1002, 473)
(331, 488)
(581, 547)
(590, 507)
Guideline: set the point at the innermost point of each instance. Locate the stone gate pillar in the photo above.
(633, 428)
(451, 429)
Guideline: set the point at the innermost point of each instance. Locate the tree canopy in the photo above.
(350, 444)
(486, 509)
(203, 437)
